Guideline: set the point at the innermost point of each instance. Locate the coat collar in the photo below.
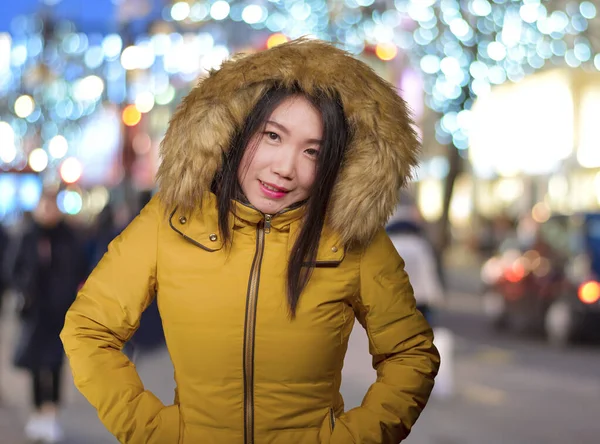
(201, 228)
(245, 213)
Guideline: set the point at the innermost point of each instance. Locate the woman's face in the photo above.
(281, 170)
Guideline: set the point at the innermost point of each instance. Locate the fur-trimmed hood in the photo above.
(378, 162)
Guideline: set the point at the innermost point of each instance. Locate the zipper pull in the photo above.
(268, 218)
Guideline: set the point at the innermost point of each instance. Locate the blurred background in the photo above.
(505, 205)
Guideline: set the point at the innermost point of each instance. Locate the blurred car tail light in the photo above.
(589, 292)
(516, 272)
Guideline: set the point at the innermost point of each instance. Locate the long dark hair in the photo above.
(336, 136)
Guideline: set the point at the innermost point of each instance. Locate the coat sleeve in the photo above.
(103, 317)
(401, 343)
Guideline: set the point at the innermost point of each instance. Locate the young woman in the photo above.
(263, 245)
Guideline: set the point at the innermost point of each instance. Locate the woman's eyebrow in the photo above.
(283, 129)
(279, 126)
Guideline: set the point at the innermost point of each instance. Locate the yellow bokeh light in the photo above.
(589, 292)
(70, 170)
(276, 39)
(386, 51)
(38, 160)
(131, 115)
(24, 106)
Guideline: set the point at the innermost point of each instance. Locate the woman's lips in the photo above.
(271, 190)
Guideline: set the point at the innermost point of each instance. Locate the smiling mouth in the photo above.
(273, 188)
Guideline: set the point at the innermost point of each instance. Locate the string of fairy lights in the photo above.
(51, 82)
(462, 48)
(54, 78)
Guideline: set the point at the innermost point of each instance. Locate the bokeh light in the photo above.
(8, 152)
(386, 51)
(38, 160)
(112, 45)
(144, 102)
(71, 170)
(29, 192)
(69, 202)
(254, 14)
(589, 292)
(142, 143)
(220, 10)
(131, 58)
(7, 134)
(276, 39)
(98, 198)
(165, 97)
(131, 115)
(58, 147)
(180, 11)
(24, 106)
(89, 88)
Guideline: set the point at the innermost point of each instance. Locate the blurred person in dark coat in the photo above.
(49, 267)
(4, 242)
(103, 231)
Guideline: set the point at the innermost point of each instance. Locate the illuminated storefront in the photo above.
(537, 142)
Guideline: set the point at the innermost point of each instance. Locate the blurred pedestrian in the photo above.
(49, 266)
(4, 243)
(407, 233)
(100, 235)
(265, 241)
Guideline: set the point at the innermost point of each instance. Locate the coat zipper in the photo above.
(249, 329)
(331, 419)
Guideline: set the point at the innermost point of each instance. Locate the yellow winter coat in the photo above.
(245, 372)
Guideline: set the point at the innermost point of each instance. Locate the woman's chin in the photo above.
(267, 206)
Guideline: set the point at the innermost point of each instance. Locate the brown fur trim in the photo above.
(379, 160)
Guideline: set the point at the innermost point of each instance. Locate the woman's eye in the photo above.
(272, 136)
(312, 152)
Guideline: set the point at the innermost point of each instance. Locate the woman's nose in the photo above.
(283, 162)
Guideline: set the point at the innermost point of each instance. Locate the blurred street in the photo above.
(508, 390)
